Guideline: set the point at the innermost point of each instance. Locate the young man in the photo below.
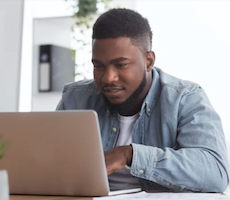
(158, 132)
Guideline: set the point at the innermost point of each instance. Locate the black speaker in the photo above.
(56, 67)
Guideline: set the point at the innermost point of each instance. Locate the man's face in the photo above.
(119, 68)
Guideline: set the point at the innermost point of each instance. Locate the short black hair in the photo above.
(122, 22)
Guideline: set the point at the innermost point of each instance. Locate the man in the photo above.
(158, 132)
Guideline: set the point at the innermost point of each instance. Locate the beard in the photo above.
(126, 107)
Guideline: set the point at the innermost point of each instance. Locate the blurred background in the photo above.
(190, 39)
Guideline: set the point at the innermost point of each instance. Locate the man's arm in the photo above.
(199, 162)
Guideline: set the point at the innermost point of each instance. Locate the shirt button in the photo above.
(141, 171)
(114, 129)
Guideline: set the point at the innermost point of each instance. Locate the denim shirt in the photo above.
(178, 140)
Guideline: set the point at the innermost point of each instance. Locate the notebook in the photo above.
(54, 153)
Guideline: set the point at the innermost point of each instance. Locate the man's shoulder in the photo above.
(171, 82)
(83, 94)
(80, 86)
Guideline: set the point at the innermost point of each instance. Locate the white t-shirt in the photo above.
(122, 179)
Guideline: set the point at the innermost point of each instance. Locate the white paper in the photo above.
(119, 192)
(166, 196)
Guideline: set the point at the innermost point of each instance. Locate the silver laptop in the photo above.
(54, 153)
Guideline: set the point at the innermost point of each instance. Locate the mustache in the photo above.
(111, 86)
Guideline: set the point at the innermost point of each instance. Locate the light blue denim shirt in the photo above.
(178, 140)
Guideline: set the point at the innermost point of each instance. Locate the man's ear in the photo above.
(150, 60)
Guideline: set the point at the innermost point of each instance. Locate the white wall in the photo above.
(131, 4)
(11, 17)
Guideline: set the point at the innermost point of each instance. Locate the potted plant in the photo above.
(4, 186)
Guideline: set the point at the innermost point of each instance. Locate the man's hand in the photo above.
(118, 157)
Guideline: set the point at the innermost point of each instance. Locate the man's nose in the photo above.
(110, 75)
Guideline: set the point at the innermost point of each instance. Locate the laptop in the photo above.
(54, 153)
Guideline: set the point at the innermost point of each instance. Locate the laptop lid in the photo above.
(54, 153)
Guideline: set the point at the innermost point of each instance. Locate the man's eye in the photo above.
(98, 66)
(121, 64)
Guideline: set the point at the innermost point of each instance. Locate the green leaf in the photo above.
(2, 148)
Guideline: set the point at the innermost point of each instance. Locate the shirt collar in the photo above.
(153, 94)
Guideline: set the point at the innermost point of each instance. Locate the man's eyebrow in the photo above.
(115, 60)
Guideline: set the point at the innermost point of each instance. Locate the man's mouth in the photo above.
(113, 92)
